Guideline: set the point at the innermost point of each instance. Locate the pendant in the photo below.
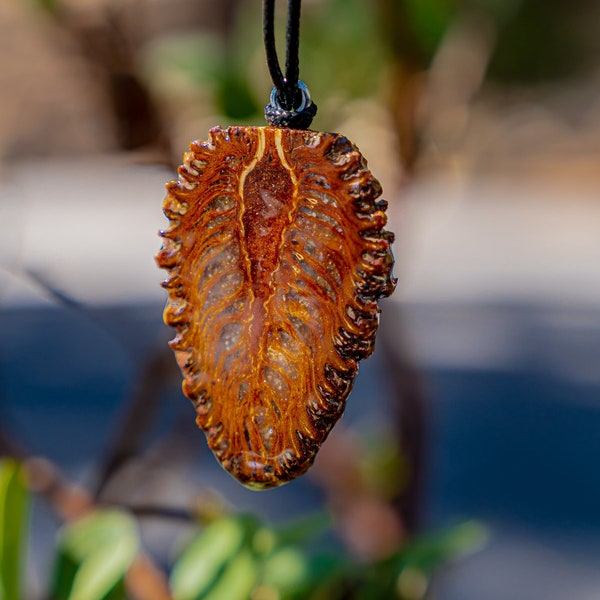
(276, 255)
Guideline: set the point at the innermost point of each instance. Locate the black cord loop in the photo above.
(290, 104)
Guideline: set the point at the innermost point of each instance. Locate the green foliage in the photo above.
(50, 6)
(94, 554)
(538, 40)
(234, 557)
(234, 96)
(237, 557)
(199, 57)
(341, 49)
(334, 35)
(405, 574)
(353, 49)
(430, 19)
(204, 61)
(14, 510)
(383, 467)
(205, 568)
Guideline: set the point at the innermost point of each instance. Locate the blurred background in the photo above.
(467, 463)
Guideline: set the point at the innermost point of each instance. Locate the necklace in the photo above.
(276, 255)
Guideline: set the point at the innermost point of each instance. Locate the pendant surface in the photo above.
(276, 256)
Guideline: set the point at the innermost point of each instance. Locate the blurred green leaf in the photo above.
(324, 576)
(305, 528)
(49, 5)
(237, 580)
(14, 509)
(286, 569)
(234, 97)
(430, 552)
(383, 467)
(198, 57)
(205, 565)
(235, 558)
(539, 40)
(94, 555)
(290, 573)
(406, 573)
(342, 49)
(430, 20)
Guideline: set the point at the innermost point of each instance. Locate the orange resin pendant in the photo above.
(276, 256)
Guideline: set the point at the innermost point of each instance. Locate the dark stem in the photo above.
(410, 422)
(140, 413)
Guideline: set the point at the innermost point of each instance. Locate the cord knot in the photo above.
(299, 117)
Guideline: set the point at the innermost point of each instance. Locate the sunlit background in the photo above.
(467, 465)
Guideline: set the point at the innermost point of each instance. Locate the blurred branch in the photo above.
(141, 407)
(10, 447)
(407, 78)
(140, 413)
(69, 303)
(127, 477)
(429, 97)
(101, 33)
(455, 76)
(368, 524)
(375, 524)
(144, 581)
(411, 422)
(163, 512)
(430, 100)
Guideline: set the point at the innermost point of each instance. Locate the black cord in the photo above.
(290, 104)
(292, 62)
(270, 48)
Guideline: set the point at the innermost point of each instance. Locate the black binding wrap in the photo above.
(290, 104)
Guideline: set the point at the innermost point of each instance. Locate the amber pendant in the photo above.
(276, 256)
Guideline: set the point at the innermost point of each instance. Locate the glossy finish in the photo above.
(276, 256)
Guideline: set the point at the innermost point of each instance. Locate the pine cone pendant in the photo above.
(275, 256)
